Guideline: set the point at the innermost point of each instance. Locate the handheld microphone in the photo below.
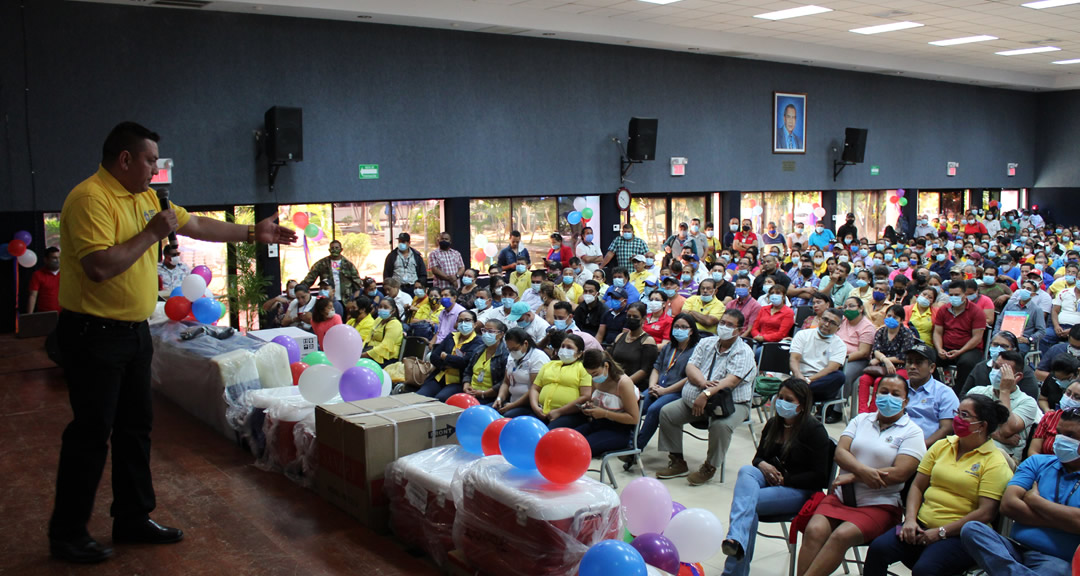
(163, 196)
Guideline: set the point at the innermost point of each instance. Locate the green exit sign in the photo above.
(874, 170)
(369, 171)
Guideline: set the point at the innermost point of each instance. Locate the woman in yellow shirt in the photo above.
(386, 335)
(359, 316)
(920, 314)
(450, 357)
(424, 313)
(562, 386)
(487, 368)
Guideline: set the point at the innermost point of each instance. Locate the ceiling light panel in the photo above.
(882, 28)
(1049, 4)
(1023, 51)
(808, 10)
(965, 40)
(1073, 61)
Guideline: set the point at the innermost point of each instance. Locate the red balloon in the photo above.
(563, 455)
(300, 219)
(753, 203)
(479, 256)
(297, 369)
(816, 205)
(16, 247)
(489, 442)
(894, 199)
(691, 570)
(993, 203)
(462, 400)
(177, 308)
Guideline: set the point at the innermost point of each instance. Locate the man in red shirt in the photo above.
(45, 284)
(745, 238)
(958, 334)
(973, 226)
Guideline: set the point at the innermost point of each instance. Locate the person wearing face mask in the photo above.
(704, 307)
(523, 364)
(580, 273)
(744, 238)
(920, 314)
(522, 316)
(299, 312)
(563, 323)
(624, 247)
(774, 322)
(770, 273)
(676, 242)
(791, 464)
(1033, 321)
(863, 287)
(590, 314)
(360, 315)
(171, 270)
(821, 237)
(959, 483)
(613, 408)
(773, 237)
(1064, 313)
(274, 309)
(450, 357)
(385, 344)
(923, 228)
(402, 299)
(562, 386)
(1064, 369)
(857, 334)
(559, 253)
(448, 315)
(958, 334)
(658, 318)
(337, 270)
(422, 316)
(521, 277)
(485, 370)
(941, 264)
(670, 285)
(980, 375)
(1004, 378)
(877, 453)
(323, 318)
(445, 264)
(848, 230)
(887, 356)
(405, 264)
(640, 273)
(718, 363)
(615, 318)
(818, 356)
(1042, 504)
(634, 349)
(1068, 395)
(513, 254)
(589, 251)
(326, 290)
(804, 283)
(372, 292)
(798, 238)
(879, 303)
(469, 288)
(747, 306)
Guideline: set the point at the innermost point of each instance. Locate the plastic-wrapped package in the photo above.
(422, 507)
(282, 416)
(273, 365)
(513, 521)
(307, 453)
(251, 431)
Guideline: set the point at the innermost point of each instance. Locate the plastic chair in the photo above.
(801, 314)
(634, 450)
(786, 519)
(775, 357)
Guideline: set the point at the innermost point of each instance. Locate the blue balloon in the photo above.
(4, 255)
(574, 217)
(611, 557)
(205, 310)
(178, 291)
(519, 439)
(471, 425)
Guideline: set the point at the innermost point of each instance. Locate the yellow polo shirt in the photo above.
(570, 294)
(98, 214)
(956, 485)
(638, 280)
(714, 308)
(522, 281)
(924, 323)
(1057, 287)
(560, 384)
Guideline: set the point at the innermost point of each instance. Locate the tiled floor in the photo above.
(238, 519)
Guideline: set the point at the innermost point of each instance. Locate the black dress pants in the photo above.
(107, 367)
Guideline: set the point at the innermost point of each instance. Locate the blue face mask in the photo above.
(599, 379)
(373, 293)
(863, 252)
(989, 279)
(776, 299)
(465, 328)
(680, 334)
(742, 292)
(480, 303)
(879, 247)
(716, 276)
(466, 280)
(1070, 278)
(588, 237)
(520, 268)
(446, 302)
(524, 323)
(994, 351)
(619, 282)
(1066, 449)
(324, 293)
(403, 247)
(670, 292)
(649, 262)
(568, 279)
(489, 338)
(686, 278)
(876, 261)
(706, 298)
(1023, 294)
(892, 323)
(785, 409)
(940, 257)
(956, 301)
(995, 378)
(384, 313)
(860, 283)
(508, 303)
(628, 235)
(889, 405)
(560, 324)
(923, 301)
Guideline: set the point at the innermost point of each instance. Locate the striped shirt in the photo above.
(738, 360)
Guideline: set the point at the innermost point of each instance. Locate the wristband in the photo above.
(251, 233)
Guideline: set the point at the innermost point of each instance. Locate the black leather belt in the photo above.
(107, 322)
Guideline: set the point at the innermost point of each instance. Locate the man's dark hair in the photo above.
(173, 247)
(563, 305)
(596, 286)
(1074, 332)
(1013, 357)
(125, 136)
(51, 250)
(1065, 363)
(736, 315)
(515, 234)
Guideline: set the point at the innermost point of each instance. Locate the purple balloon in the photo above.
(319, 237)
(657, 551)
(290, 346)
(900, 192)
(204, 272)
(24, 236)
(676, 508)
(359, 383)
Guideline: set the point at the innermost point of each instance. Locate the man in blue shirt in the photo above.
(942, 265)
(786, 139)
(1043, 501)
(931, 404)
(508, 257)
(821, 237)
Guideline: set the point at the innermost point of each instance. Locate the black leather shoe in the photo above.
(145, 532)
(83, 550)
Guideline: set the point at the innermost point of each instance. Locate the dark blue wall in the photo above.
(452, 114)
(1058, 145)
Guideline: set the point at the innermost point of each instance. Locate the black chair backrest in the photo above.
(775, 357)
(415, 347)
(801, 314)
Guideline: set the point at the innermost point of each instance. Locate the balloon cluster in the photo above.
(484, 249)
(192, 300)
(898, 198)
(561, 455)
(813, 212)
(17, 249)
(755, 209)
(303, 222)
(581, 212)
(337, 370)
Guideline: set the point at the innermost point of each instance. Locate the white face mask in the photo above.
(175, 260)
(725, 332)
(588, 298)
(653, 305)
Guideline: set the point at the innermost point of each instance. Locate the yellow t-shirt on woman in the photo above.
(561, 384)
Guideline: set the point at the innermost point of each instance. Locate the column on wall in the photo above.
(828, 202)
(265, 266)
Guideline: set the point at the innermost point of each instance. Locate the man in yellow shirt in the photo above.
(1067, 280)
(110, 227)
(705, 308)
(521, 277)
(640, 273)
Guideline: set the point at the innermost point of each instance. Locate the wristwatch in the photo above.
(941, 532)
(707, 393)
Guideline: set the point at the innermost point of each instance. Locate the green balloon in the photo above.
(316, 358)
(903, 201)
(370, 365)
(311, 231)
(627, 536)
(586, 213)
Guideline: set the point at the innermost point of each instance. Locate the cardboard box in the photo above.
(306, 340)
(358, 439)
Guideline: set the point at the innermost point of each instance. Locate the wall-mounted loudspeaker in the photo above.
(642, 143)
(854, 145)
(284, 134)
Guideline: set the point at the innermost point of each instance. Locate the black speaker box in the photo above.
(854, 145)
(284, 134)
(642, 143)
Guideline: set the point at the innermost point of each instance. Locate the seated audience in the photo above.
(958, 334)
(817, 356)
(1042, 441)
(450, 357)
(613, 408)
(634, 350)
(323, 318)
(485, 370)
(891, 343)
(385, 345)
(524, 363)
(1012, 434)
(561, 386)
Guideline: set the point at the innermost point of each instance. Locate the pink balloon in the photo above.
(204, 272)
(647, 506)
(318, 237)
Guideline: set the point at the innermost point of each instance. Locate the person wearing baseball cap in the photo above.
(612, 324)
(640, 273)
(930, 404)
(405, 264)
(522, 316)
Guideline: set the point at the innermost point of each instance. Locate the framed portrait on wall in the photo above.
(789, 123)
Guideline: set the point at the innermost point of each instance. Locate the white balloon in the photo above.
(28, 259)
(193, 287)
(695, 532)
(343, 346)
(491, 249)
(209, 293)
(819, 212)
(387, 384)
(579, 203)
(481, 241)
(319, 383)
(758, 210)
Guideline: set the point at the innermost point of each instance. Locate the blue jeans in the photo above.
(754, 498)
(944, 557)
(652, 416)
(1051, 337)
(828, 386)
(525, 410)
(605, 436)
(999, 556)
